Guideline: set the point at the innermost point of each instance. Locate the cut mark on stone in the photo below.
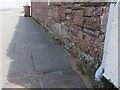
(32, 61)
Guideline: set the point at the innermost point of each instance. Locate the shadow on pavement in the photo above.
(37, 61)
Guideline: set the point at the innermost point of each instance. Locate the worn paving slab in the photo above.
(24, 80)
(59, 79)
(50, 64)
(30, 58)
(31, 45)
(65, 79)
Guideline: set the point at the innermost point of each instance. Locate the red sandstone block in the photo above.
(76, 7)
(92, 23)
(76, 27)
(94, 48)
(67, 28)
(55, 13)
(78, 14)
(75, 51)
(96, 4)
(61, 13)
(100, 45)
(69, 16)
(71, 37)
(67, 23)
(89, 11)
(86, 4)
(68, 5)
(83, 40)
(57, 3)
(74, 31)
(98, 11)
(93, 53)
(79, 22)
(68, 11)
(64, 31)
(92, 32)
(50, 14)
(52, 3)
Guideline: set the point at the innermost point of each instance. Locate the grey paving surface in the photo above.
(119, 45)
(30, 58)
(31, 46)
(66, 79)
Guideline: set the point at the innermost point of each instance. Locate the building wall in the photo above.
(81, 26)
(111, 62)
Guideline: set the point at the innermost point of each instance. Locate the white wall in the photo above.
(111, 62)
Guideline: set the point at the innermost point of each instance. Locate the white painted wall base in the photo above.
(111, 62)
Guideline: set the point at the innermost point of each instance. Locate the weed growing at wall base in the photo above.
(45, 29)
(57, 41)
(89, 70)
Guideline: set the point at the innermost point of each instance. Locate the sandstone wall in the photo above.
(81, 26)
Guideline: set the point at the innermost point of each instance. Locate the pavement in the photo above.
(118, 44)
(30, 59)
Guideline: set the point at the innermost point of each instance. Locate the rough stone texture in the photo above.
(89, 11)
(69, 18)
(98, 11)
(92, 23)
(68, 11)
(78, 14)
(83, 40)
(61, 13)
(81, 24)
(96, 49)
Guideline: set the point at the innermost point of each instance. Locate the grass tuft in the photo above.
(86, 69)
(57, 41)
(45, 29)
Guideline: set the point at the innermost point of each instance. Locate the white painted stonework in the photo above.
(111, 61)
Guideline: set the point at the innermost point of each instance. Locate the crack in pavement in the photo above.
(32, 61)
(14, 48)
